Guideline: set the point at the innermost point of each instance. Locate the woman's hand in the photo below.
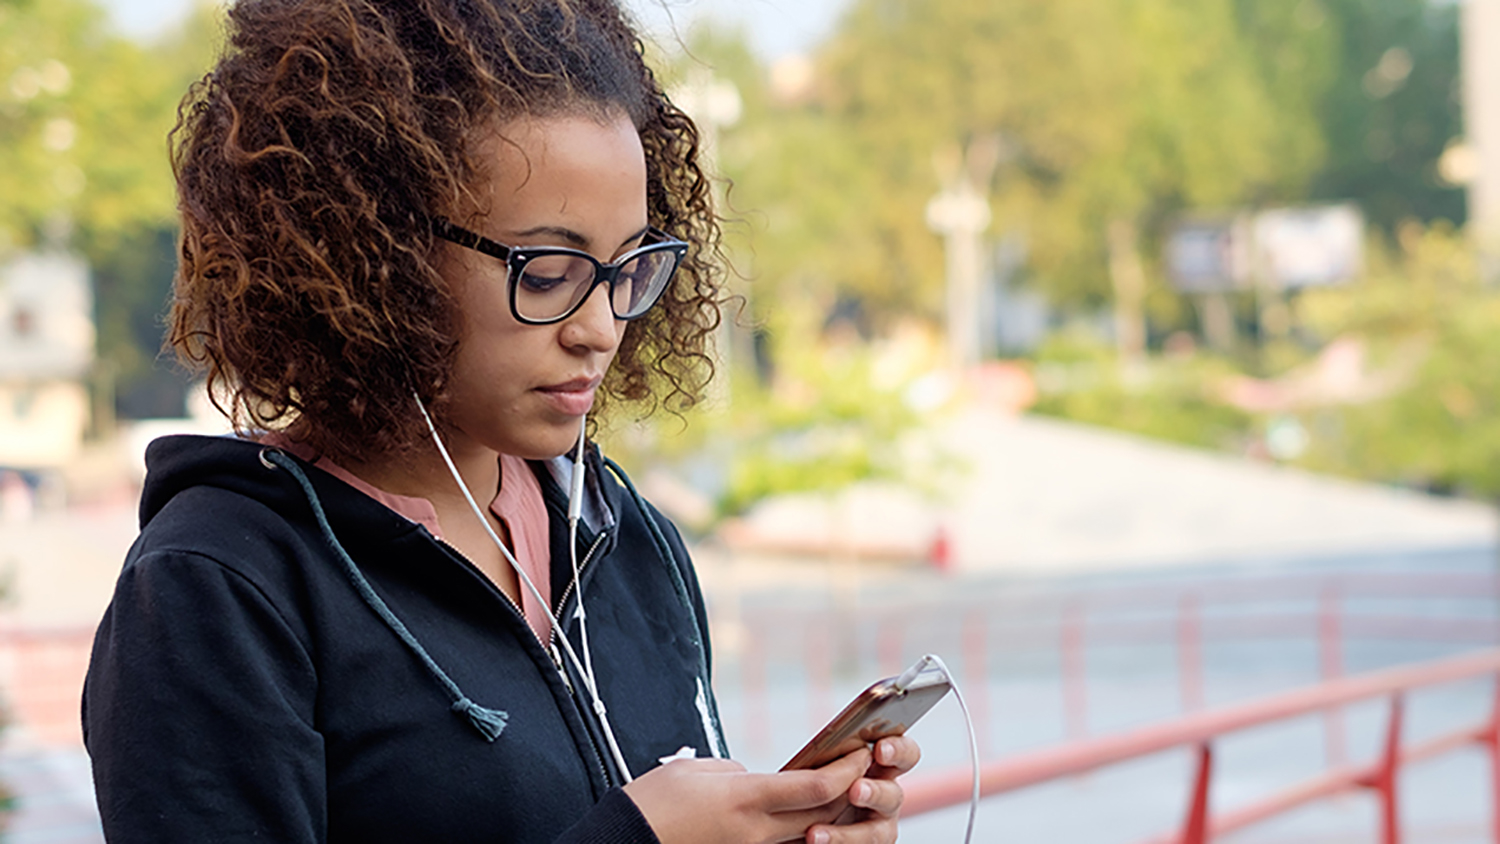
(715, 801)
(875, 797)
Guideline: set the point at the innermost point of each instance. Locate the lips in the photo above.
(574, 397)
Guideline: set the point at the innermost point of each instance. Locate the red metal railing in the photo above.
(925, 793)
(1329, 610)
(41, 680)
(41, 671)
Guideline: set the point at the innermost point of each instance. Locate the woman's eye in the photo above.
(538, 283)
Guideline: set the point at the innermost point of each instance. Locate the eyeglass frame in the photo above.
(517, 257)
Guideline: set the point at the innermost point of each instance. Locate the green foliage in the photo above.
(1120, 111)
(83, 121)
(1431, 332)
(1174, 399)
(1386, 129)
(1102, 111)
(84, 117)
(836, 412)
(827, 424)
(1428, 318)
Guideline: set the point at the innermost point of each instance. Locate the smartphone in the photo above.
(879, 711)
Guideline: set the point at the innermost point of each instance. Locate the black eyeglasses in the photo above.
(548, 284)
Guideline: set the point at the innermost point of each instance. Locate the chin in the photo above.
(549, 445)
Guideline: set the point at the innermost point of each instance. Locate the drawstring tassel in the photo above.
(489, 722)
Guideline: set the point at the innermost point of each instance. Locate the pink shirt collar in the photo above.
(518, 504)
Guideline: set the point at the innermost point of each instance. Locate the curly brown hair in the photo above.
(311, 160)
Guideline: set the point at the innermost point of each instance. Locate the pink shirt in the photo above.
(518, 505)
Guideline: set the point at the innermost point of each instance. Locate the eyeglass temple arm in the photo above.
(472, 240)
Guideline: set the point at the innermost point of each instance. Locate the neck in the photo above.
(423, 474)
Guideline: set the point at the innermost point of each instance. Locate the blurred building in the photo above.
(46, 351)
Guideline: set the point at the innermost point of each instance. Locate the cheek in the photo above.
(622, 331)
(493, 350)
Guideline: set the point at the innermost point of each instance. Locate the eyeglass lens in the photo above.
(552, 285)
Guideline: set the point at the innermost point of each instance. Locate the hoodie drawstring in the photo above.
(489, 722)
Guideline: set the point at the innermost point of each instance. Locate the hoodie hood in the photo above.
(233, 463)
(175, 464)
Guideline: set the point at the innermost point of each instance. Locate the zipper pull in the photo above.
(557, 659)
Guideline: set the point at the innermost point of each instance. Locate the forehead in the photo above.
(563, 165)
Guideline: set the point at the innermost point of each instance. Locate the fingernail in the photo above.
(863, 793)
(886, 752)
(820, 836)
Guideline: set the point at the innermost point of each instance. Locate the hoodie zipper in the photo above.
(550, 648)
(588, 557)
(510, 602)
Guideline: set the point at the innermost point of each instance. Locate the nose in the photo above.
(593, 326)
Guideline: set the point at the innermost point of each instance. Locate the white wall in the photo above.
(41, 422)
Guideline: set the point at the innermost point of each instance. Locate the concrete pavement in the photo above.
(1041, 496)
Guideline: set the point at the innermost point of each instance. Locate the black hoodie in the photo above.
(241, 687)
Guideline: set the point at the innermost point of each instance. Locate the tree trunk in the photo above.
(1217, 320)
(1128, 277)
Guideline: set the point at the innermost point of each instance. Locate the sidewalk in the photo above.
(54, 793)
(1040, 496)
(59, 568)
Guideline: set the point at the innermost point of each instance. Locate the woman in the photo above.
(397, 218)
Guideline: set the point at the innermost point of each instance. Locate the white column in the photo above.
(1480, 28)
(960, 215)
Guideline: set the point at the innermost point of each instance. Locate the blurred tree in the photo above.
(1099, 115)
(836, 413)
(1116, 116)
(1104, 118)
(82, 125)
(84, 117)
(1393, 108)
(1174, 399)
(1426, 316)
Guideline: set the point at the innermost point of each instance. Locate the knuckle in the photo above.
(820, 791)
(893, 797)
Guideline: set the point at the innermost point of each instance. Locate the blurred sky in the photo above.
(776, 27)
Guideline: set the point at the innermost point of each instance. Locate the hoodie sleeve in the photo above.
(713, 724)
(198, 711)
(614, 820)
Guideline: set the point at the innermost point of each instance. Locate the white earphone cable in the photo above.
(905, 680)
(575, 512)
(582, 668)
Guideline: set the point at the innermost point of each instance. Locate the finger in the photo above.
(790, 791)
(877, 831)
(894, 756)
(792, 826)
(883, 797)
(796, 823)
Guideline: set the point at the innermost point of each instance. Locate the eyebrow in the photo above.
(574, 237)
